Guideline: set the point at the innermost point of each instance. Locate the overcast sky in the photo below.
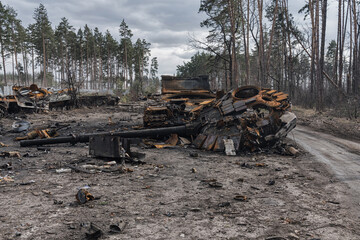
(166, 24)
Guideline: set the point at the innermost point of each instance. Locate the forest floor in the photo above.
(169, 193)
(325, 122)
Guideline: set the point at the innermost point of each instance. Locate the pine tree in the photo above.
(126, 49)
(4, 37)
(43, 34)
(62, 33)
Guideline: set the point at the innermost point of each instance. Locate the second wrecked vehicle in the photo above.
(33, 98)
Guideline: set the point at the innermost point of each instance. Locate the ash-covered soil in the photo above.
(166, 194)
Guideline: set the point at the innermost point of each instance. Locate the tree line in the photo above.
(51, 56)
(258, 42)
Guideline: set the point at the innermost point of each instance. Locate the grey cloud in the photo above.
(163, 23)
(184, 54)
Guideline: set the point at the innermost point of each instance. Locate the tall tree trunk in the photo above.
(351, 52)
(3, 61)
(245, 36)
(13, 68)
(87, 65)
(234, 65)
(126, 67)
(248, 42)
(33, 64)
(16, 60)
(341, 57)
(290, 59)
(230, 73)
(108, 68)
(322, 52)
(62, 62)
(81, 79)
(261, 43)
(317, 57)
(44, 83)
(23, 52)
(338, 42)
(271, 40)
(355, 74)
(101, 73)
(313, 49)
(94, 67)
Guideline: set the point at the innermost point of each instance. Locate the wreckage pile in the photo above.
(248, 118)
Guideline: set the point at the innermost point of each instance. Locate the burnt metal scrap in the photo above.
(33, 98)
(179, 96)
(190, 91)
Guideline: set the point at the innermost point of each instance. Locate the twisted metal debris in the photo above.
(251, 117)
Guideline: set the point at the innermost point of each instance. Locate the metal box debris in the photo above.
(108, 146)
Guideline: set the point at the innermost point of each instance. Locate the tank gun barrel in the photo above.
(183, 130)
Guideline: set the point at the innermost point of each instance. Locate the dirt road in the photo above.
(340, 155)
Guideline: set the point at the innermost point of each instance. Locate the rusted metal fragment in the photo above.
(239, 106)
(227, 109)
(157, 116)
(271, 91)
(40, 133)
(170, 142)
(199, 140)
(289, 122)
(184, 141)
(229, 147)
(83, 196)
(250, 100)
(219, 144)
(209, 142)
(282, 97)
(262, 123)
(10, 154)
(236, 141)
